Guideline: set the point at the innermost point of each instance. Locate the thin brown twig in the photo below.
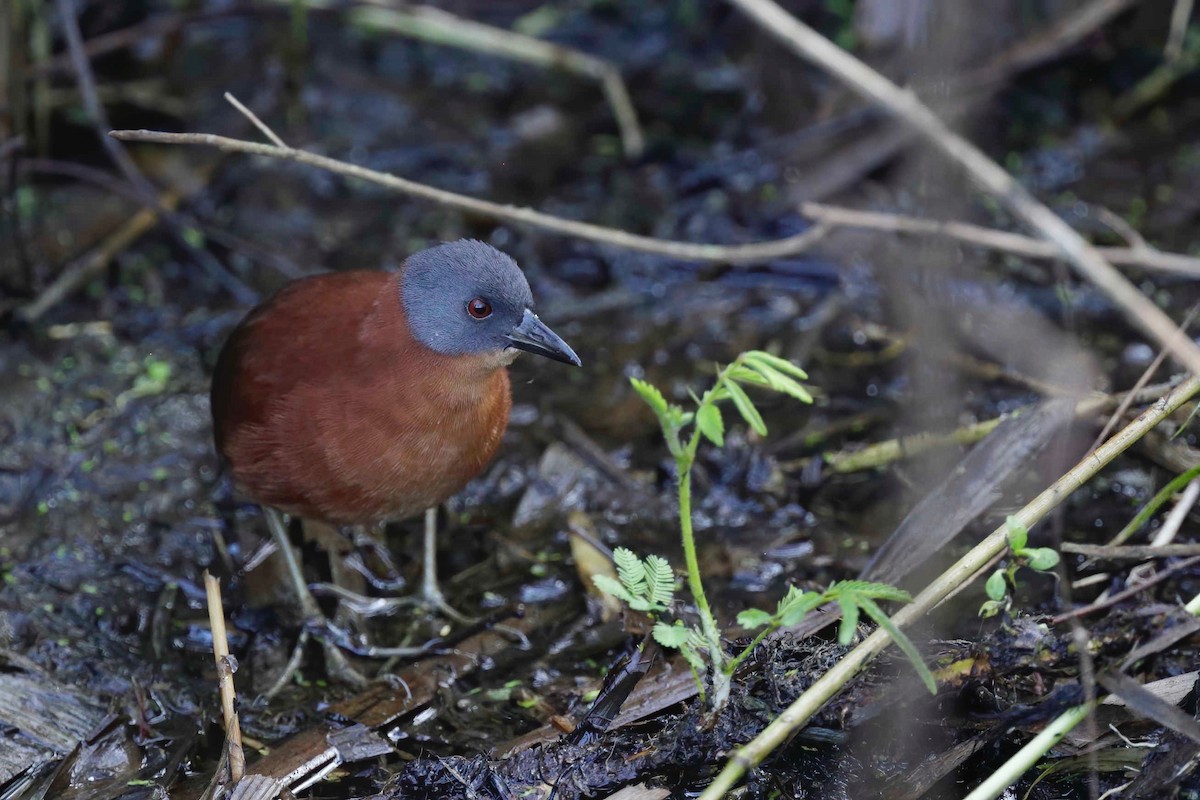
(986, 174)
(685, 251)
(826, 217)
(992, 239)
(255, 121)
(1125, 594)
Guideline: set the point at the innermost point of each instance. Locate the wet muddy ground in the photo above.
(112, 502)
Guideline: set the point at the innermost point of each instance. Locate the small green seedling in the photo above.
(648, 584)
(1039, 559)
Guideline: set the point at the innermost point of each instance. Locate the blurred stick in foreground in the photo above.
(1141, 312)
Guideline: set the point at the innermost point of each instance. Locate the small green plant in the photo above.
(648, 584)
(1039, 559)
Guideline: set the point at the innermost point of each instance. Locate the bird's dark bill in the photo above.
(533, 336)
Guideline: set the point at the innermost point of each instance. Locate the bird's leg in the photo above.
(431, 591)
(336, 663)
(430, 595)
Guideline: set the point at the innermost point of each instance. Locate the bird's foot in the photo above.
(339, 668)
(386, 606)
(431, 597)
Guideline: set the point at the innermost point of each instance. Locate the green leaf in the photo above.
(996, 587)
(849, 619)
(1042, 559)
(660, 580)
(630, 570)
(796, 605)
(877, 591)
(753, 618)
(743, 374)
(644, 605)
(746, 408)
(902, 641)
(1018, 534)
(697, 665)
(672, 636)
(696, 641)
(990, 608)
(646, 584)
(782, 383)
(780, 364)
(610, 586)
(653, 397)
(708, 420)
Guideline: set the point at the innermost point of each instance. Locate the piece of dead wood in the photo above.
(668, 683)
(257, 787)
(917, 781)
(1175, 759)
(1180, 630)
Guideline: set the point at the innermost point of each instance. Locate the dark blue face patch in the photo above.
(440, 283)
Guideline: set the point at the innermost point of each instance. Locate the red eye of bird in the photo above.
(479, 308)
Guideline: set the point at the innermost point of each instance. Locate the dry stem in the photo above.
(233, 730)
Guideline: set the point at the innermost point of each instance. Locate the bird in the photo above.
(363, 396)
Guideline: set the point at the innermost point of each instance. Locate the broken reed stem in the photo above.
(988, 176)
(967, 567)
(225, 669)
(441, 27)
